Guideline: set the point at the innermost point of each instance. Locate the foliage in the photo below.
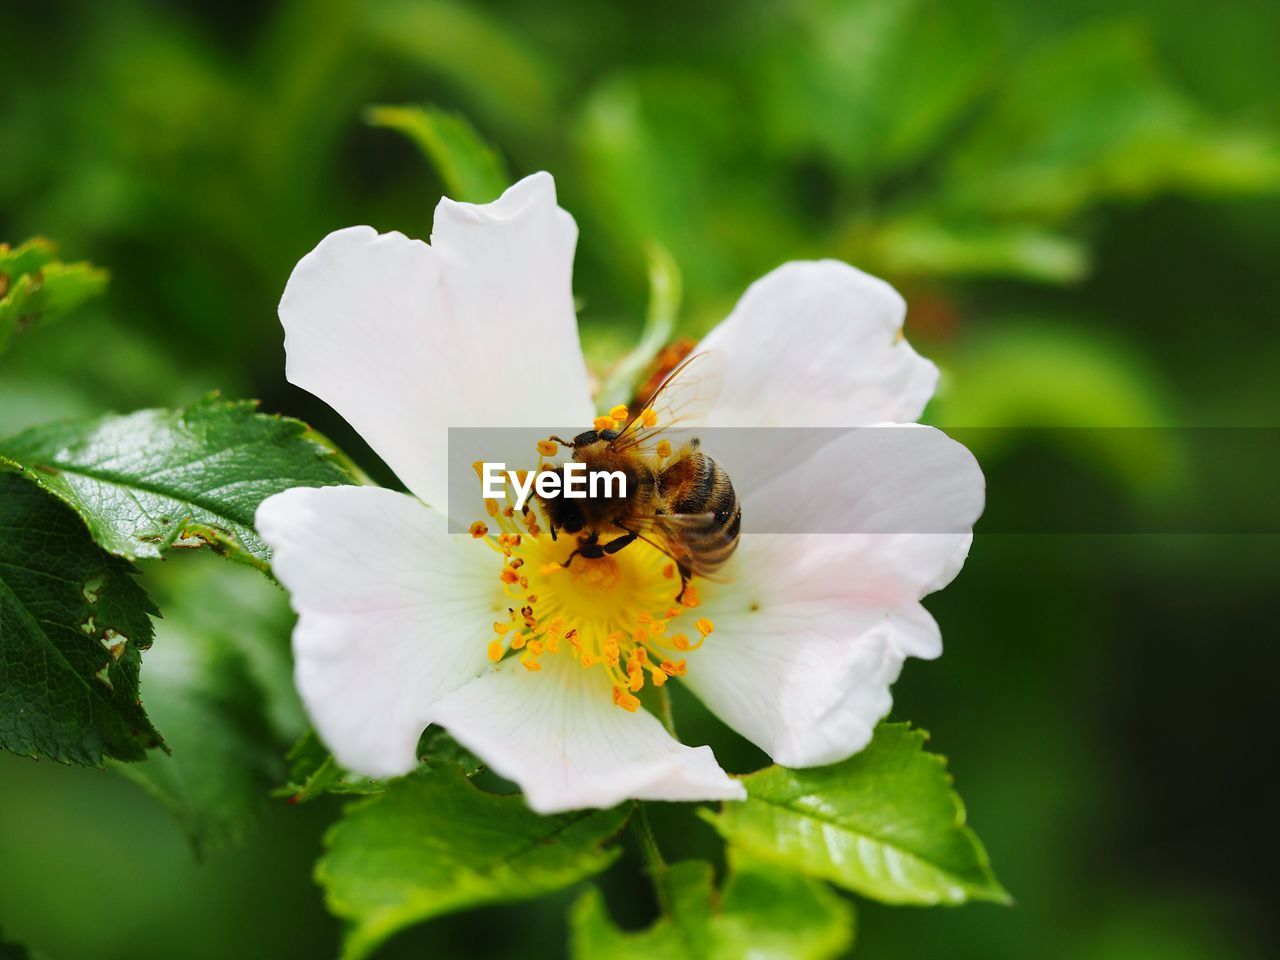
(1079, 206)
(36, 287)
(159, 479)
(73, 625)
(434, 844)
(884, 823)
(471, 170)
(762, 913)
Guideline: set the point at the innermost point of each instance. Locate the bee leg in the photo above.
(588, 551)
(685, 576)
(613, 546)
(562, 441)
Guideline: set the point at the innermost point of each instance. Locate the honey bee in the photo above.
(680, 500)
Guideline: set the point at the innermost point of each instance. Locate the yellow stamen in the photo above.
(663, 449)
(603, 423)
(704, 626)
(608, 613)
(478, 529)
(547, 448)
(648, 417)
(619, 413)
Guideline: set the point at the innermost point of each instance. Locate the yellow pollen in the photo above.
(619, 413)
(648, 417)
(603, 423)
(609, 614)
(663, 449)
(478, 529)
(547, 448)
(705, 626)
(625, 700)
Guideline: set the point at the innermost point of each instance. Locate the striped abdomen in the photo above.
(695, 485)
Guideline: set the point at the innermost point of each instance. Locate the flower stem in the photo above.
(654, 864)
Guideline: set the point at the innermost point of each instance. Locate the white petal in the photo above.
(818, 344)
(796, 665)
(901, 498)
(559, 736)
(812, 629)
(392, 615)
(405, 340)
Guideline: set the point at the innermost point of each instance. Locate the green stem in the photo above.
(654, 864)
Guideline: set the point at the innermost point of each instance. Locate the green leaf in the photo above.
(36, 287)
(884, 823)
(313, 771)
(205, 687)
(470, 168)
(158, 479)
(860, 62)
(434, 844)
(763, 913)
(73, 624)
(1090, 117)
(517, 82)
(913, 246)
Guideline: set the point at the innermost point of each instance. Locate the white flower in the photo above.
(398, 618)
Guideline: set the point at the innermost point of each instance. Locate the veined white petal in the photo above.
(797, 665)
(902, 497)
(392, 615)
(405, 340)
(818, 344)
(559, 736)
(812, 629)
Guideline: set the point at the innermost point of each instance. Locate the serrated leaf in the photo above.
(472, 170)
(763, 913)
(205, 689)
(73, 625)
(313, 771)
(37, 287)
(884, 823)
(159, 479)
(434, 844)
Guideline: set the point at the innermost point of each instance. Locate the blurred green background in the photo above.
(1081, 202)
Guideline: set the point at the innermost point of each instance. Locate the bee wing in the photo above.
(672, 533)
(682, 400)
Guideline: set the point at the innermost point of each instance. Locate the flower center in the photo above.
(617, 613)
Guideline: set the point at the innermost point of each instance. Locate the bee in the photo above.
(680, 500)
